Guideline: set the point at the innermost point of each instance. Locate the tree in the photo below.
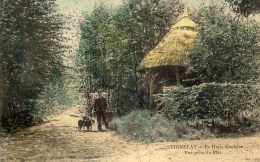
(227, 49)
(30, 49)
(113, 42)
(245, 7)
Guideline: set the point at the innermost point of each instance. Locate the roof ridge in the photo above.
(185, 20)
(185, 13)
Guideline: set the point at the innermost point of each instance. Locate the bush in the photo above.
(227, 49)
(229, 102)
(149, 127)
(14, 120)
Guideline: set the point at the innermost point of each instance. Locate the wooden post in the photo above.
(151, 89)
(177, 74)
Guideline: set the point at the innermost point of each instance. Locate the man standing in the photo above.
(100, 108)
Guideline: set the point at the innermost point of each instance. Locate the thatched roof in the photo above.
(184, 21)
(173, 48)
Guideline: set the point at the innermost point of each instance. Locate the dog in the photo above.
(87, 122)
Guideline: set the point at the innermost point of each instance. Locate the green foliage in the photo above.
(113, 42)
(30, 52)
(148, 127)
(179, 103)
(245, 7)
(227, 49)
(53, 98)
(228, 102)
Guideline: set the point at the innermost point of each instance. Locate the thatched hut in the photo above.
(167, 62)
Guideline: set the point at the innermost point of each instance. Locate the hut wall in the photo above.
(165, 76)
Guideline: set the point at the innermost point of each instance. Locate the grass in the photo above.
(147, 126)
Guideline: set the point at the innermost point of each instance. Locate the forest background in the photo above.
(35, 82)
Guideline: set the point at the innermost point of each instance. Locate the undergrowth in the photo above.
(147, 126)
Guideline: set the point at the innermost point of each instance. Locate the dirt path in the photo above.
(59, 140)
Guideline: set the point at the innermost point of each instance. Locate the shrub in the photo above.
(149, 127)
(15, 120)
(227, 49)
(234, 103)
